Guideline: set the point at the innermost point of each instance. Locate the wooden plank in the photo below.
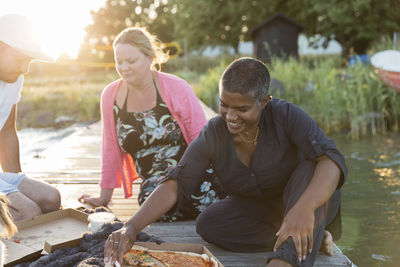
(184, 232)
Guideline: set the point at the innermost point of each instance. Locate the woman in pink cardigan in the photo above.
(149, 118)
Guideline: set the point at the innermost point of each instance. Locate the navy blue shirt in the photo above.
(287, 136)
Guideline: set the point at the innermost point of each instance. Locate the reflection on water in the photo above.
(33, 141)
(371, 200)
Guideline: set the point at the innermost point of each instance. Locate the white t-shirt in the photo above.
(10, 94)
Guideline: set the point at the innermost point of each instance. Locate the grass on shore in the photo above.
(46, 98)
(339, 98)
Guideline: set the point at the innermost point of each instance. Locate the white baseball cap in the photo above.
(18, 32)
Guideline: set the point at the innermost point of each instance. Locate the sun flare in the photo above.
(60, 23)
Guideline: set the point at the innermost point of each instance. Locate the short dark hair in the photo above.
(246, 76)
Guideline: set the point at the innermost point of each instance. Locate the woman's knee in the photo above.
(207, 224)
(202, 226)
(214, 224)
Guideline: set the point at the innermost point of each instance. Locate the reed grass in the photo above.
(340, 99)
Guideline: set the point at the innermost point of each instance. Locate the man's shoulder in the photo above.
(17, 84)
(11, 91)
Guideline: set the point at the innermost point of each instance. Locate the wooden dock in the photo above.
(184, 232)
(73, 167)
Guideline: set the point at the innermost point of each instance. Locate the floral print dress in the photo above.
(156, 143)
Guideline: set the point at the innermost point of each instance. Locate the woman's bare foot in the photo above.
(327, 244)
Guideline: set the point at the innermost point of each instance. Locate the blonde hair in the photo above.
(147, 43)
(9, 228)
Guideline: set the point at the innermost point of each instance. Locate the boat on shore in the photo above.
(387, 65)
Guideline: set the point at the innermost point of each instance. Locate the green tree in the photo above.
(355, 24)
(217, 22)
(116, 15)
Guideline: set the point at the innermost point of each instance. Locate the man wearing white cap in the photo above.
(18, 47)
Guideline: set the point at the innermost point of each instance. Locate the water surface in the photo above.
(33, 141)
(371, 200)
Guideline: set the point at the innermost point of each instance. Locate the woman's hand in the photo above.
(299, 225)
(103, 200)
(118, 243)
(94, 201)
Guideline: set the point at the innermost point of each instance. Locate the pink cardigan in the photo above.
(117, 166)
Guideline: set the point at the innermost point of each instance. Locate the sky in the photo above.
(60, 23)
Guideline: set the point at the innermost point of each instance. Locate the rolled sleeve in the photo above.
(311, 140)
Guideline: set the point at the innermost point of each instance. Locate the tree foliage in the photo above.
(217, 22)
(116, 15)
(354, 24)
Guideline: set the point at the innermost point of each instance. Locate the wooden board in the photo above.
(184, 232)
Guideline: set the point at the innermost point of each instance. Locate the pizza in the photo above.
(183, 259)
(140, 258)
(157, 258)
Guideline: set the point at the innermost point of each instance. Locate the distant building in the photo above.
(333, 48)
(276, 36)
(244, 48)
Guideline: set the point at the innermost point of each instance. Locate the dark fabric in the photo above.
(287, 137)
(90, 251)
(235, 226)
(288, 145)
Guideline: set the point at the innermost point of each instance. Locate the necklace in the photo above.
(246, 138)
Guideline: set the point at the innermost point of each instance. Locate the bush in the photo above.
(207, 89)
(349, 99)
(196, 63)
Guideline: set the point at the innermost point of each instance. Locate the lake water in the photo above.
(371, 195)
(34, 141)
(371, 201)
